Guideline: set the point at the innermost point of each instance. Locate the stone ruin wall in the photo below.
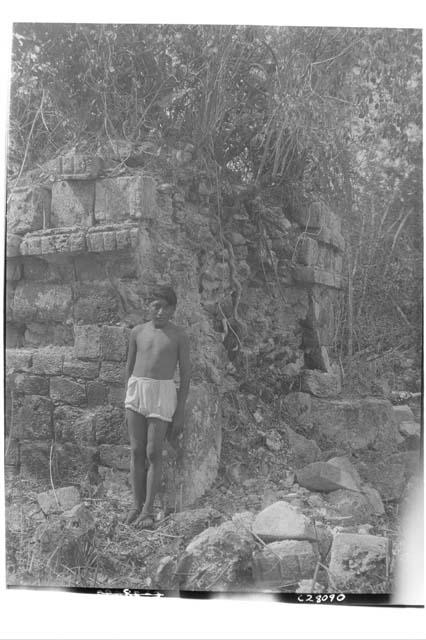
(82, 253)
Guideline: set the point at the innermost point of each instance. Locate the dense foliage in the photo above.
(293, 111)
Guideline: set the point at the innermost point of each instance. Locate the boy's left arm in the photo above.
(185, 377)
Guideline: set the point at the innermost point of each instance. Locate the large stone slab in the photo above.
(403, 413)
(218, 559)
(323, 476)
(281, 565)
(281, 521)
(42, 302)
(358, 561)
(191, 469)
(355, 505)
(355, 424)
(125, 197)
(62, 499)
(301, 450)
(321, 384)
(28, 210)
(73, 203)
(389, 474)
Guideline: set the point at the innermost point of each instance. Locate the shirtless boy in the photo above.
(152, 402)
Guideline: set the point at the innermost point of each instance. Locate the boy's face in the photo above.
(160, 312)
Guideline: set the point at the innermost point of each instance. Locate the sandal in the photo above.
(131, 515)
(145, 521)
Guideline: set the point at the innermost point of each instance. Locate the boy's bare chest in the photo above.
(156, 343)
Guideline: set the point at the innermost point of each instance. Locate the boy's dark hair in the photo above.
(166, 293)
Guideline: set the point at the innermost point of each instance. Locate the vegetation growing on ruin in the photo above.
(291, 113)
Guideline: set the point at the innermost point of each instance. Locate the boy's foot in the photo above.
(145, 521)
(131, 515)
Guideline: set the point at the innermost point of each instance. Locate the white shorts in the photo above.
(151, 398)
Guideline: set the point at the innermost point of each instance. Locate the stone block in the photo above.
(75, 427)
(330, 237)
(307, 251)
(281, 565)
(114, 343)
(122, 238)
(66, 390)
(338, 263)
(218, 559)
(315, 275)
(317, 216)
(346, 465)
(356, 424)
(199, 451)
(62, 499)
(80, 369)
(31, 246)
(74, 462)
(116, 484)
(410, 429)
(11, 454)
(95, 242)
(31, 385)
(18, 360)
(77, 242)
(375, 500)
(323, 476)
(97, 393)
(109, 241)
(358, 561)
(134, 237)
(355, 506)
(110, 425)
(72, 203)
(96, 303)
(48, 361)
(125, 197)
(116, 395)
(116, 456)
(42, 302)
(33, 417)
(13, 270)
(13, 245)
(281, 521)
(28, 210)
(78, 167)
(35, 459)
(87, 342)
(13, 338)
(403, 413)
(321, 384)
(64, 417)
(302, 450)
(113, 372)
(389, 474)
(47, 244)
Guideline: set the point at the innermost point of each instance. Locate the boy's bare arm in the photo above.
(131, 355)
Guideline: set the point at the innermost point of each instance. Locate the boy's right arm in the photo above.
(131, 355)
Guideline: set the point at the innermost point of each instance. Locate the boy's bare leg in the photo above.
(138, 435)
(157, 430)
